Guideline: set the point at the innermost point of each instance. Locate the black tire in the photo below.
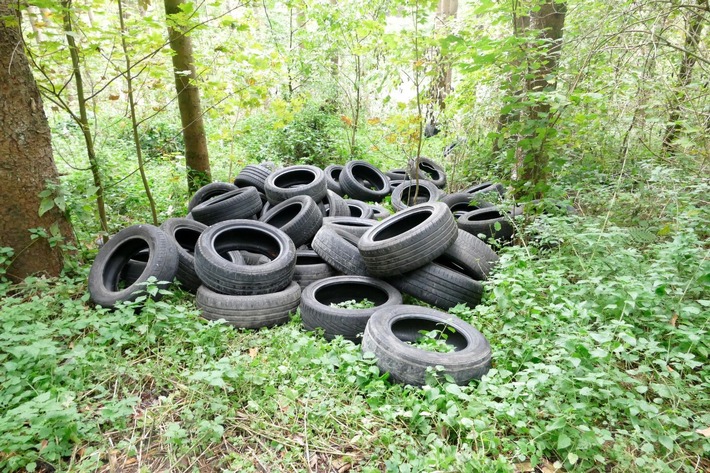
(408, 239)
(390, 328)
(359, 209)
(440, 286)
(332, 178)
(209, 191)
(353, 225)
(185, 233)
(339, 249)
(361, 180)
(252, 175)
(133, 269)
(317, 311)
(403, 195)
(299, 217)
(253, 259)
(334, 205)
(239, 203)
(462, 202)
(105, 273)
(293, 181)
(379, 212)
(493, 188)
(264, 310)
(220, 274)
(489, 222)
(397, 174)
(470, 255)
(311, 268)
(430, 170)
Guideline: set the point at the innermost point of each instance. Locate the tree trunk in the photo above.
(685, 74)
(26, 164)
(440, 86)
(83, 118)
(134, 119)
(546, 23)
(188, 95)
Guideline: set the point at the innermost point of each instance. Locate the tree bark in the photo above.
(685, 74)
(188, 96)
(26, 163)
(546, 24)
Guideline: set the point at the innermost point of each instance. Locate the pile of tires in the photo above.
(254, 251)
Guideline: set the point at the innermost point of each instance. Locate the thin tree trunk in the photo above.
(26, 163)
(685, 74)
(440, 86)
(334, 55)
(188, 96)
(547, 22)
(83, 118)
(134, 121)
(521, 24)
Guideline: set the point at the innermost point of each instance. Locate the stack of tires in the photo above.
(276, 239)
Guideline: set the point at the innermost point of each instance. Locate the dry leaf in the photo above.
(674, 319)
(253, 352)
(346, 120)
(524, 467)
(704, 432)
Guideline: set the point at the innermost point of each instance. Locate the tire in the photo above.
(299, 217)
(264, 310)
(339, 249)
(222, 275)
(403, 194)
(239, 203)
(104, 276)
(252, 259)
(359, 209)
(294, 181)
(332, 178)
(484, 222)
(379, 212)
(133, 269)
(390, 328)
(440, 286)
(408, 239)
(311, 268)
(397, 174)
(252, 176)
(470, 255)
(317, 310)
(361, 180)
(430, 170)
(334, 205)
(462, 202)
(209, 191)
(353, 225)
(185, 233)
(486, 188)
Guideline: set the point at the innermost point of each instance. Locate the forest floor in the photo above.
(598, 325)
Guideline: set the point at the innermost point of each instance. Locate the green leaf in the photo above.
(572, 458)
(45, 206)
(563, 441)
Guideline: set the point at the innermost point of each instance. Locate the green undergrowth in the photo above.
(599, 332)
